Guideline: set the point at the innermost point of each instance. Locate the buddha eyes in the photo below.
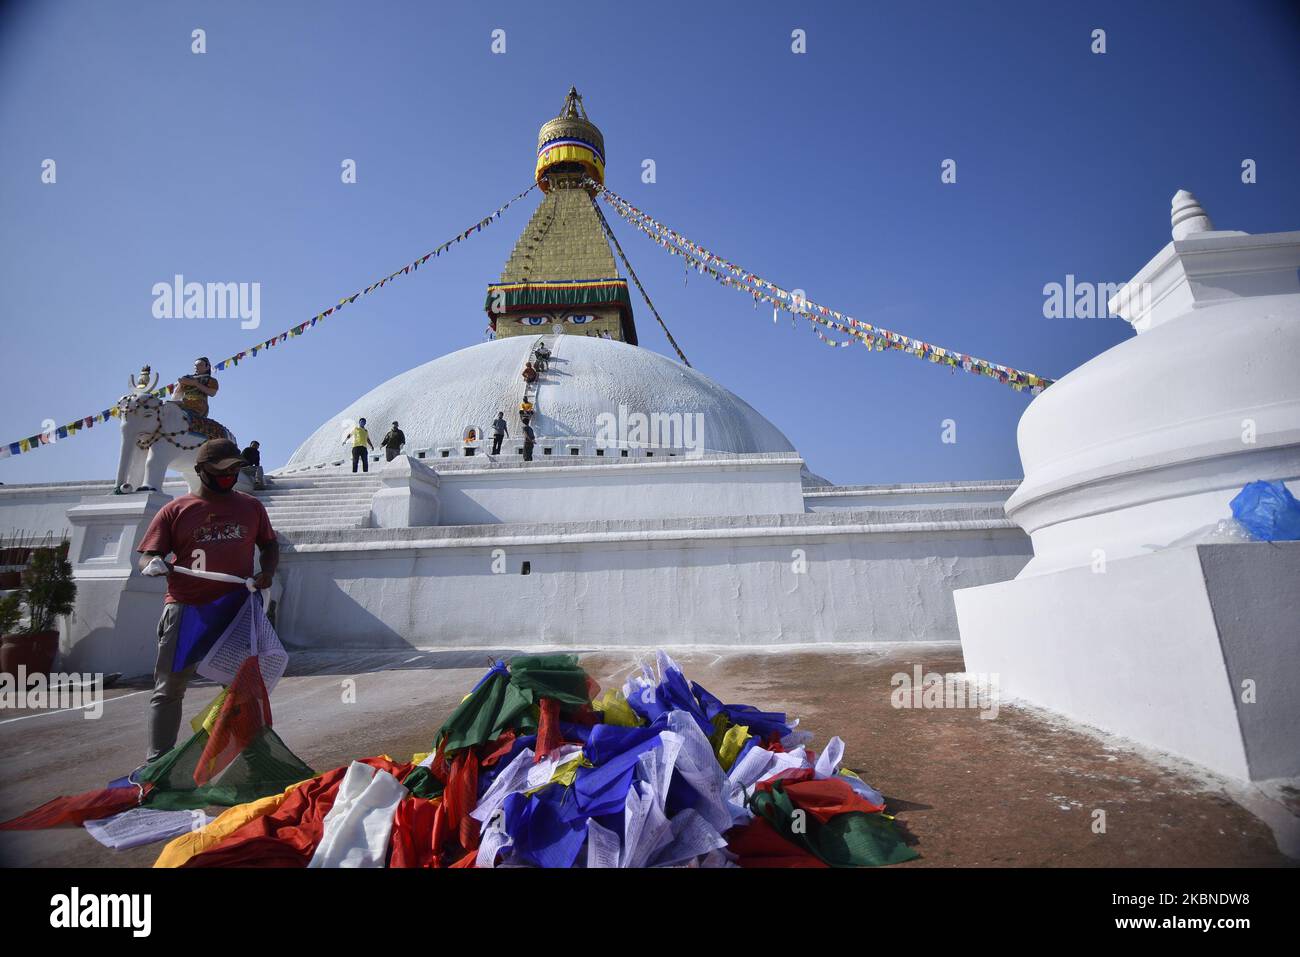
(543, 320)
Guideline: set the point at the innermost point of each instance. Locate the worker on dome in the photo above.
(530, 374)
(499, 432)
(529, 439)
(541, 355)
(392, 442)
(360, 439)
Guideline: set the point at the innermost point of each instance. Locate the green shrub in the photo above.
(48, 589)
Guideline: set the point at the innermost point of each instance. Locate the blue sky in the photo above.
(819, 171)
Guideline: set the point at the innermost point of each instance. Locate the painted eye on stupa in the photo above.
(579, 320)
(532, 321)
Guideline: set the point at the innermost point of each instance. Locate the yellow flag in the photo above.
(564, 773)
(205, 719)
(616, 709)
(727, 742)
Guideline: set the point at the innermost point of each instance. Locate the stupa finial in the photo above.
(570, 148)
(573, 104)
(1187, 216)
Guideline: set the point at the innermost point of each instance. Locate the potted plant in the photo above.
(11, 614)
(48, 592)
(14, 554)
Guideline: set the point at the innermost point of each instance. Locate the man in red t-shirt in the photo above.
(215, 530)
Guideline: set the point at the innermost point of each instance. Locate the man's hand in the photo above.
(155, 567)
(268, 561)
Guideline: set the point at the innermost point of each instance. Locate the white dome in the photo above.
(1150, 440)
(587, 376)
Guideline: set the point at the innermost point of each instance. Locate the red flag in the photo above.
(822, 799)
(548, 729)
(287, 837)
(758, 844)
(246, 711)
(76, 810)
(500, 748)
(411, 844)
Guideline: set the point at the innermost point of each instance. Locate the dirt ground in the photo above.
(1017, 790)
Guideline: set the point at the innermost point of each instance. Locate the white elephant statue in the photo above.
(156, 436)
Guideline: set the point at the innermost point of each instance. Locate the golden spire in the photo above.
(570, 147)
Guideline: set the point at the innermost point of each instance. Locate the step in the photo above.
(318, 508)
(291, 529)
(299, 492)
(331, 506)
(299, 485)
(345, 515)
(312, 496)
(326, 474)
(359, 521)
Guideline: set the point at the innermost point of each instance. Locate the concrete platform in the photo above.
(1018, 790)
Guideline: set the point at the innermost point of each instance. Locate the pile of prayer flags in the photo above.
(536, 767)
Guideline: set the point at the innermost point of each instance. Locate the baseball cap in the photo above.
(220, 454)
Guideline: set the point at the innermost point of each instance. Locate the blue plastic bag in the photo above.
(1268, 511)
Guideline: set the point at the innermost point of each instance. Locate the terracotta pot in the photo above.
(36, 652)
(10, 580)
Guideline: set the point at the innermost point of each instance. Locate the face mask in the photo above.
(218, 483)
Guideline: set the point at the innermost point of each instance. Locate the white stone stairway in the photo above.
(530, 388)
(319, 501)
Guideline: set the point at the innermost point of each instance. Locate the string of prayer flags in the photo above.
(734, 276)
(72, 428)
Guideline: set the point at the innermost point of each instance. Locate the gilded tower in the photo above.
(561, 275)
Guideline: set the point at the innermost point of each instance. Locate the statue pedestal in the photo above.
(407, 497)
(114, 625)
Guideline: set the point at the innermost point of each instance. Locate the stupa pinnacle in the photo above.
(570, 146)
(561, 275)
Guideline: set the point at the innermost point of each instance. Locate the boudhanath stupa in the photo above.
(660, 509)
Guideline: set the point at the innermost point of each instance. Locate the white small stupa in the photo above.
(1130, 617)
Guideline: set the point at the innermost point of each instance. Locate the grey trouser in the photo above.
(168, 685)
(255, 473)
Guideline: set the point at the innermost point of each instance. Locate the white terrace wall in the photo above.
(836, 498)
(623, 489)
(44, 508)
(752, 580)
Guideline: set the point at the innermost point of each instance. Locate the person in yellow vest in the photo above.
(360, 441)
(192, 392)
